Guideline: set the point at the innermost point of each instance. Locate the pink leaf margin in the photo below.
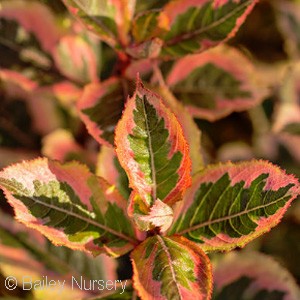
(176, 139)
(231, 61)
(72, 173)
(34, 17)
(247, 172)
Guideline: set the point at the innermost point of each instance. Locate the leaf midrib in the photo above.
(170, 262)
(97, 21)
(210, 222)
(87, 220)
(151, 153)
(190, 35)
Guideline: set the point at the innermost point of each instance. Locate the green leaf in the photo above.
(216, 83)
(190, 129)
(97, 17)
(252, 276)
(77, 59)
(148, 25)
(100, 108)
(69, 205)
(152, 149)
(171, 268)
(229, 204)
(142, 5)
(198, 25)
(24, 253)
(61, 260)
(109, 19)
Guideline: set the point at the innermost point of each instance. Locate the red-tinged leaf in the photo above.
(109, 168)
(34, 17)
(230, 204)
(190, 128)
(24, 252)
(196, 25)
(16, 85)
(17, 262)
(143, 66)
(137, 209)
(216, 83)
(76, 59)
(42, 103)
(148, 25)
(252, 275)
(67, 94)
(171, 268)
(124, 14)
(59, 260)
(39, 101)
(69, 205)
(152, 149)
(100, 108)
(60, 145)
(98, 19)
(160, 215)
(109, 19)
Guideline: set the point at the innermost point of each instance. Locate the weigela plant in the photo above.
(173, 210)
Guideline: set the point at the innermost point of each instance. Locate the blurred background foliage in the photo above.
(43, 72)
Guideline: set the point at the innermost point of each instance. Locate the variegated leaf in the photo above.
(23, 95)
(61, 145)
(196, 25)
(229, 204)
(109, 168)
(15, 238)
(171, 268)
(148, 25)
(190, 129)
(109, 19)
(160, 215)
(252, 276)
(77, 59)
(216, 83)
(35, 18)
(69, 205)
(100, 108)
(152, 149)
